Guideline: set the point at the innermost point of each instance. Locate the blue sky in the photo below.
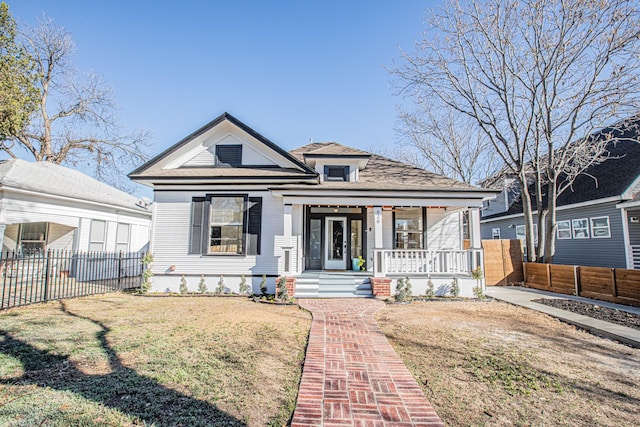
(292, 70)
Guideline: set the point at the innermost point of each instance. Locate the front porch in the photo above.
(322, 244)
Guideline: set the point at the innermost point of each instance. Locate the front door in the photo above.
(336, 243)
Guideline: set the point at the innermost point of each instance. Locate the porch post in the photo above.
(477, 258)
(474, 228)
(2, 228)
(286, 240)
(377, 227)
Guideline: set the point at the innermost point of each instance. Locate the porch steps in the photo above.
(333, 285)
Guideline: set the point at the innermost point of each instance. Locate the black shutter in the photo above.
(195, 245)
(198, 225)
(255, 226)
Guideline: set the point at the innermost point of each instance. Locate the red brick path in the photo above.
(352, 376)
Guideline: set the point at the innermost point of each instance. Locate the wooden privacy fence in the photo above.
(607, 284)
(502, 262)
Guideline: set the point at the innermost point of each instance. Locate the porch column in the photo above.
(474, 228)
(2, 228)
(286, 240)
(378, 269)
(477, 258)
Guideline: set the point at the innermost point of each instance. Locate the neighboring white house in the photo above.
(46, 206)
(229, 202)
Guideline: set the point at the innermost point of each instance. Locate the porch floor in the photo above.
(352, 376)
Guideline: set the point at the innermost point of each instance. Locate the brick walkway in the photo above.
(352, 376)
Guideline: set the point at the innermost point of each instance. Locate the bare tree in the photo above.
(447, 144)
(76, 119)
(532, 75)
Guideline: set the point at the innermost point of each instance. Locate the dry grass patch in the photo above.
(128, 360)
(495, 364)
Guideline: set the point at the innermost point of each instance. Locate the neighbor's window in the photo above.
(600, 227)
(495, 233)
(522, 235)
(409, 226)
(228, 155)
(97, 235)
(122, 237)
(336, 173)
(564, 230)
(227, 225)
(580, 228)
(33, 237)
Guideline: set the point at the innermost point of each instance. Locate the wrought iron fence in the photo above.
(28, 278)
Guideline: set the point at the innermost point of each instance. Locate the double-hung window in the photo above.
(97, 235)
(564, 230)
(122, 237)
(409, 228)
(226, 225)
(600, 227)
(580, 228)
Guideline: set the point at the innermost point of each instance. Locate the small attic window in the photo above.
(228, 155)
(336, 173)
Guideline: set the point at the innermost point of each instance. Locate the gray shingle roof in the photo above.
(383, 173)
(49, 178)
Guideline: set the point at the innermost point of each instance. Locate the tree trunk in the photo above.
(528, 218)
(550, 245)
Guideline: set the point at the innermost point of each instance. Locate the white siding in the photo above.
(443, 229)
(65, 216)
(10, 242)
(171, 240)
(250, 156)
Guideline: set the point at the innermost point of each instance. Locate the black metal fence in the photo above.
(44, 276)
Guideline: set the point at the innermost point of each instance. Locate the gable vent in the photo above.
(228, 155)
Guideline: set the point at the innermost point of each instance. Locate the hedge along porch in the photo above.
(229, 202)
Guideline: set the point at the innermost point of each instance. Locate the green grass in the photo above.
(127, 360)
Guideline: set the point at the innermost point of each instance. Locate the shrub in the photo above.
(243, 288)
(221, 286)
(183, 285)
(263, 285)
(478, 274)
(408, 290)
(146, 261)
(454, 289)
(401, 294)
(282, 292)
(202, 286)
(430, 293)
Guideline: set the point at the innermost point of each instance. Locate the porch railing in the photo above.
(418, 261)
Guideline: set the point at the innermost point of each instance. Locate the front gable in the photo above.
(205, 153)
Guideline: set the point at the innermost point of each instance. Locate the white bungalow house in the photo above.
(230, 203)
(44, 206)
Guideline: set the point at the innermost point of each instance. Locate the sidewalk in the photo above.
(523, 297)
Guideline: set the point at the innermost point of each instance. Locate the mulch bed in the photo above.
(612, 315)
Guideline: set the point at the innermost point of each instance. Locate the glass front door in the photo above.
(336, 243)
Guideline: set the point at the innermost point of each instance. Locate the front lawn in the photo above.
(493, 364)
(127, 360)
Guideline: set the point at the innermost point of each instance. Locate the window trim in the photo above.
(220, 163)
(608, 227)
(128, 242)
(494, 235)
(586, 228)
(345, 173)
(245, 224)
(104, 235)
(568, 222)
(423, 235)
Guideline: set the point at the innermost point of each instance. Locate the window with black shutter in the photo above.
(228, 155)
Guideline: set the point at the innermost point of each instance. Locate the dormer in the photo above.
(334, 162)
